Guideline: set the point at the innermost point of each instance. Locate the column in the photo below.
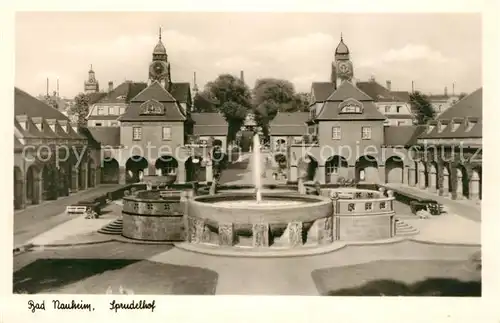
(293, 173)
(209, 172)
(196, 228)
(226, 234)
(320, 174)
(421, 179)
(381, 173)
(85, 183)
(459, 189)
(181, 173)
(432, 180)
(122, 175)
(474, 187)
(260, 234)
(294, 234)
(446, 181)
(74, 179)
(97, 176)
(20, 194)
(406, 171)
(411, 176)
(37, 190)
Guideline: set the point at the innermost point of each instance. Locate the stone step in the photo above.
(113, 228)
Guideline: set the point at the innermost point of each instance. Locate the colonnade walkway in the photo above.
(466, 208)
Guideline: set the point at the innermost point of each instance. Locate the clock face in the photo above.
(158, 68)
(344, 68)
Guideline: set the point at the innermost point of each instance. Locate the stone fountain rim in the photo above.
(314, 200)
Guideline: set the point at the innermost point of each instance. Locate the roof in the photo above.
(469, 108)
(159, 48)
(289, 124)
(342, 48)
(209, 124)
(378, 92)
(331, 108)
(401, 135)
(95, 97)
(123, 93)
(25, 104)
(103, 117)
(154, 91)
(403, 95)
(181, 91)
(398, 116)
(321, 91)
(107, 136)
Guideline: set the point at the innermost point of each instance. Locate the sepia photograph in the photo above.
(247, 153)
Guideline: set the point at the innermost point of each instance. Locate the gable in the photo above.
(154, 91)
(348, 90)
(152, 107)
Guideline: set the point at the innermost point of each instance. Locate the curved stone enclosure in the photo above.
(154, 215)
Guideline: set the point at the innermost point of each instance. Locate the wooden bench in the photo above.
(76, 209)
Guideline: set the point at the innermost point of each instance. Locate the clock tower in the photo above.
(343, 66)
(159, 69)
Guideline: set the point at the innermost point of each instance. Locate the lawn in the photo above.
(400, 278)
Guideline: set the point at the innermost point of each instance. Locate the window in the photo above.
(122, 110)
(387, 108)
(366, 133)
(296, 141)
(336, 133)
(114, 124)
(398, 109)
(111, 110)
(98, 124)
(167, 133)
(136, 133)
(401, 123)
(332, 168)
(100, 111)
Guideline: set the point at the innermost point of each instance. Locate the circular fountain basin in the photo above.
(242, 210)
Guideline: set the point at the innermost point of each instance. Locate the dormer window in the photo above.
(456, 124)
(38, 121)
(64, 125)
(52, 124)
(121, 97)
(470, 124)
(100, 110)
(351, 106)
(23, 121)
(442, 125)
(152, 107)
(430, 127)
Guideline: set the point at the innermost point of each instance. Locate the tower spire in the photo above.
(341, 37)
(159, 34)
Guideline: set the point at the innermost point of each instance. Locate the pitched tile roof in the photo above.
(289, 124)
(331, 110)
(209, 124)
(321, 91)
(95, 97)
(103, 117)
(154, 91)
(469, 108)
(403, 95)
(181, 91)
(378, 92)
(402, 135)
(107, 136)
(123, 93)
(25, 104)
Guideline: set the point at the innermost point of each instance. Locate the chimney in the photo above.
(388, 85)
(242, 76)
(372, 78)
(412, 86)
(445, 91)
(110, 86)
(57, 88)
(47, 91)
(453, 91)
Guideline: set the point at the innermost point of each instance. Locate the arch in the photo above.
(394, 168)
(423, 175)
(90, 173)
(308, 167)
(134, 167)
(110, 172)
(217, 143)
(18, 189)
(49, 182)
(462, 180)
(81, 175)
(64, 178)
(415, 175)
(167, 165)
(433, 175)
(335, 166)
(195, 169)
(366, 169)
(32, 185)
(280, 144)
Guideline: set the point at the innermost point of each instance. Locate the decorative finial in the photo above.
(159, 34)
(341, 38)
(91, 67)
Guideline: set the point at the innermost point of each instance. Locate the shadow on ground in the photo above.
(401, 278)
(95, 276)
(428, 287)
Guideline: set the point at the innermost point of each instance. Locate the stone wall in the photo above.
(153, 228)
(364, 227)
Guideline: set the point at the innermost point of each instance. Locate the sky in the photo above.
(433, 50)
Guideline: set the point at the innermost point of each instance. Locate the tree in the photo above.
(265, 113)
(462, 95)
(301, 102)
(203, 102)
(80, 109)
(422, 107)
(232, 98)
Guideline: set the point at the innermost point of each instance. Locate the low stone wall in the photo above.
(364, 227)
(148, 216)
